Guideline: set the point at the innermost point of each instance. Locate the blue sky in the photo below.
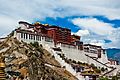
(96, 21)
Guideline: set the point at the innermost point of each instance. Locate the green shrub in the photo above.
(53, 56)
(114, 78)
(65, 79)
(74, 61)
(97, 70)
(102, 69)
(79, 62)
(104, 78)
(37, 46)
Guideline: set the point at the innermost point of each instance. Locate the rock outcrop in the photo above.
(25, 62)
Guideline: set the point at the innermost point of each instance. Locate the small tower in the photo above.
(2, 72)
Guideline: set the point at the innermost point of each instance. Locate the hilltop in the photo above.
(30, 61)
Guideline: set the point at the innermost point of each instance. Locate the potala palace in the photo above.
(58, 40)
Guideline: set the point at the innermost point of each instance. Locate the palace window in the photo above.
(48, 39)
(39, 37)
(34, 37)
(21, 35)
(29, 36)
(24, 35)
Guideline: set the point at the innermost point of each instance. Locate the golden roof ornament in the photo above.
(46, 24)
(37, 23)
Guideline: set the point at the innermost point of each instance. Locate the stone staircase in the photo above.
(109, 72)
(2, 74)
(97, 61)
(112, 69)
(67, 66)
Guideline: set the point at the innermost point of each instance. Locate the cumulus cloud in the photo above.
(94, 39)
(107, 8)
(7, 24)
(13, 11)
(4, 30)
(98, 32)
(25, 9)
(115, 38)
(82, 32)
(93, 25)
(97, 42)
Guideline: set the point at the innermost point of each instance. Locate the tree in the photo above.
(104, 78)
(97, 71)
(74, 61)
(79, 62)
(93, 66)
(102, 69)
(36, 45)
(114, 78)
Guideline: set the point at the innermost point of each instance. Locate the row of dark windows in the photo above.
(48, 39)
(30, 36)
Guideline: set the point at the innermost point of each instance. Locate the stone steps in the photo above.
(2, 74)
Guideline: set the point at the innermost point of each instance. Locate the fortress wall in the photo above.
(91, 61)
(79, 55)
(70, 52)
(103, 58)
(41, 41)
(74, 54)
(91, 54)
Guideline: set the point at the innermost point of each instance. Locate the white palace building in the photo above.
(69, 45)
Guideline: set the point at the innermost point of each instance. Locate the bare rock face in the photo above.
(25, 62)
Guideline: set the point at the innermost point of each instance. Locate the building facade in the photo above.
(93, 49)
(40, 32)
(54, 36)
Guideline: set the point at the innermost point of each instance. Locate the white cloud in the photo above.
(82, 32)
(97, 42)
(29, 10)
(115, 38)
(13, 11)
(7, 24)
(98, 32)
(94, 39)
(93, 25)
(107, 8)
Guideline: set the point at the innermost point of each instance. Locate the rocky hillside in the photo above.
(22, 61)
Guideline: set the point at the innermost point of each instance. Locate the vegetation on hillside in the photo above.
(30, 61)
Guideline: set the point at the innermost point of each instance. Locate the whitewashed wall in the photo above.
(79, 55)
(70, 52)
(74, 54)
(41, 41)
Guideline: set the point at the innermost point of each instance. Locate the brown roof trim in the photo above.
(58, 27)
(49, 26)
(23, 22)
(66, 43)
(92, 45)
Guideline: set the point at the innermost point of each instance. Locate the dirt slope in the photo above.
(24, 61)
